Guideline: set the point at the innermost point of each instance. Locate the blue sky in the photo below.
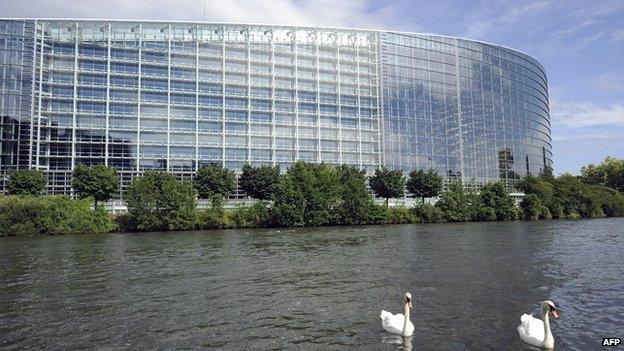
(581, 44)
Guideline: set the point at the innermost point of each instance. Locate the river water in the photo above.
(314, 289)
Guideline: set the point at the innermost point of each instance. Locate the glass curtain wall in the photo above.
(16, 89)
(474, 112)
(175, 96)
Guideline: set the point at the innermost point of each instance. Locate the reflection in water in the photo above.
(318, 288)
(402, 342)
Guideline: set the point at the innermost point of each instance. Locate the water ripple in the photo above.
(313, 289)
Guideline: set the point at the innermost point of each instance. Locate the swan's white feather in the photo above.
(531, 330)
(393, 323)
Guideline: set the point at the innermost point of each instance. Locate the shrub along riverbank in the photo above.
(305, 195)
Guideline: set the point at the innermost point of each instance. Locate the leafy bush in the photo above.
(531, 206)
(254, 216)
(458, 204)
(158, 201)
(485, 213)
(357, 203)
(427, 213)
(545, 213)
(496, 196)
(308, 194)
(288, 204)
(51, 215)
(378, 214)
(401, 215)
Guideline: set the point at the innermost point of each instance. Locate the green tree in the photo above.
(158, 201)
(424, 183)
(609, 173)
(99, 182)
(259, 182)
(495, 196)
(458, 204)
(288, 203)
(319, 184)
(357, 202)
(387, 183)
(308, 194)
(543, 188)
(531, 206)
(213, 179)
(27, 182)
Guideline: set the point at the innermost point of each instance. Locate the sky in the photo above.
(580, 43)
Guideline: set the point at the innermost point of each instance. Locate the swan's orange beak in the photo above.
(555, 313)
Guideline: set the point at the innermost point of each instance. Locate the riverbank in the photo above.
(555, 198)
(305, 195)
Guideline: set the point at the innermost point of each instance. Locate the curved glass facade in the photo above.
(173, 96)
(475, 112)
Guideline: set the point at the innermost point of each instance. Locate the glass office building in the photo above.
(143, 95)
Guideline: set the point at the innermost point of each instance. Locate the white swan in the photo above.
(399, 323)
(537, 332)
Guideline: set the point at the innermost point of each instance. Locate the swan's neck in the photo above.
(406, 313)
(549, 341)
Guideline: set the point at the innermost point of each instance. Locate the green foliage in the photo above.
(99, 182)
(537, 186)
(158, 201)
(545, 213)
(254, 216)
(531, 206)
(310, 192)
(424, 184)
(215, 217)
(427, 213)
(568, 197)
(458, 204)
(400, 215)
(212, 180)
(378, 214)
(27, 182)
(496, 197)
(357, 203)
(485, 213)
(387, 183)
(609, 173)
(51, 215)
(259, 182)
(288, 203)
(544, 191)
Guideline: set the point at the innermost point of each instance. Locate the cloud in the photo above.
(617, 35)
(608, 82)
(483, 21)
(343, 13)
(575, 28)
(585, 114)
